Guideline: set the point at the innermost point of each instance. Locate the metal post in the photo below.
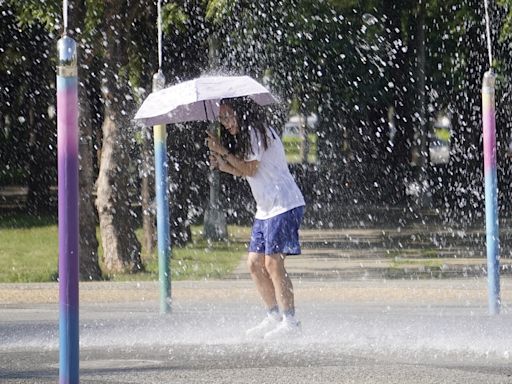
(67, 153)
(162, 205)
(215, 227)
(491, 187)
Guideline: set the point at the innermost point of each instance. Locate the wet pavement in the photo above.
(354, 331)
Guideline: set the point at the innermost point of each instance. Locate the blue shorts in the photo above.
(278, 234)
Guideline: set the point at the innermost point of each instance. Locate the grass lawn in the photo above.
(428, 263)
(292, 148)
(29, 253)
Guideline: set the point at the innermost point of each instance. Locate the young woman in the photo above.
(256, 153)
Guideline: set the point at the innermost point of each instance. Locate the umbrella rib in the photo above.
(205, 110)
(213, 110)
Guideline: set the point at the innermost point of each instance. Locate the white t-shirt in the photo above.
(273, 186)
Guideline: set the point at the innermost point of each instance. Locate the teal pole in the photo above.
(162, 205)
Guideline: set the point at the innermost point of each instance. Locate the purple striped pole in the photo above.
(491, 191)
(67, 154)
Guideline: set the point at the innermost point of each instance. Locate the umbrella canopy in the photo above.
(199, 99)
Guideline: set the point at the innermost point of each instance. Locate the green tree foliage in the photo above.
(351, 61)
(506, 31)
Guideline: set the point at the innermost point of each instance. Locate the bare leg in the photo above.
(274, 264)
(260, 276)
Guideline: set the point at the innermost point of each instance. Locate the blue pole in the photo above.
(67, 164)
(491, 188)
(162, 205)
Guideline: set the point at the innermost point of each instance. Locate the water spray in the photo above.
(161, 186)
(67, 154)
(491, 180)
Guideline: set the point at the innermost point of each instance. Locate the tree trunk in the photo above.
(401, 94)
(147, 190)
(121, 249)
(88, 242)
(421, 121)
(88, 251)
(181, 176)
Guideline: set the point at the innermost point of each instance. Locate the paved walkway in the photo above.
(413, 252)
(465, 292)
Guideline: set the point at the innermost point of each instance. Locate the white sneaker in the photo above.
(285, 330)
(270, 322)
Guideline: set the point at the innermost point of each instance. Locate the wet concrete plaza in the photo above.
(358, 331)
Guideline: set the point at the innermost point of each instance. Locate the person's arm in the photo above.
(245, 168)
(233, 164)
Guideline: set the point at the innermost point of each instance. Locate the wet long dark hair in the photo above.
(249, 116)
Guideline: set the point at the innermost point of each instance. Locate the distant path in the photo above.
(424, 251)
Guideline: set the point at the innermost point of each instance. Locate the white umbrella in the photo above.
(199, 99)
